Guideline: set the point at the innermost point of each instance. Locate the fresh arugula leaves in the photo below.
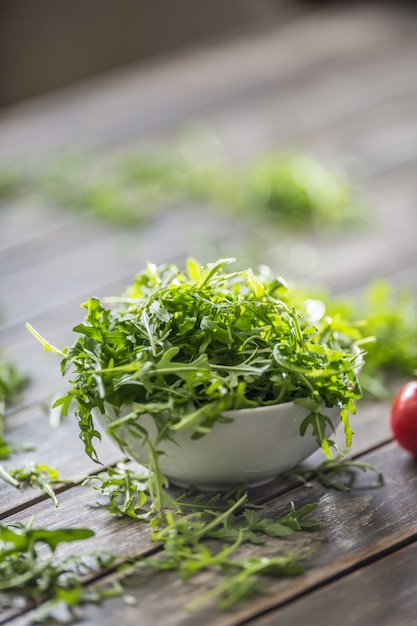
(191, 543)
(387, 313)
(37, 476)
(29, 575)
(11, 383)
(184, 346)
(132, 186)
(125, 488)
(338, 473)
(246, 577)
(301, 192)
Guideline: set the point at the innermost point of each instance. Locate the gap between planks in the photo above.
(345, 546)
(391, 577)
(370, 425)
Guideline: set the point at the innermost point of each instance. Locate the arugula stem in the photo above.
(220, 518)
(298, 328)
(4, 474)
(48, 347)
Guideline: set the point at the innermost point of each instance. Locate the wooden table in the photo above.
(340, 83)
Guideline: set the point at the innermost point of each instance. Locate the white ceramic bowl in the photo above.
(258, 445)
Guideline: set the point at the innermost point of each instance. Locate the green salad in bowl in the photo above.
(213, 376)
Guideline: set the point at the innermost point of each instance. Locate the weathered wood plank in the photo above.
(382, 151)
(359, 526)
(59, 448)
(381, 594)
(23, 223)
(32, 233)
(375, 140)
(37, 288)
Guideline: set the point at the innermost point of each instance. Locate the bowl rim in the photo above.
(279, 406)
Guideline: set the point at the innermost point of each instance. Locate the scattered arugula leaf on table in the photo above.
(246, 577)
(125, 488)
(338, 473)
(299, 191)
(37, 475)
(191, 543)
(388, 314)
(11, 382)
(131, 186)
(28, 575)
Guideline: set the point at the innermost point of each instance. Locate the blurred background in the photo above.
(48, 45)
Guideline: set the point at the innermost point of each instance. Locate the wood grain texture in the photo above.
(101, 261)
(383, 593)
(360, 526)
(59, 448)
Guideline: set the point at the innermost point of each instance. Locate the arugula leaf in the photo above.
(244, 578)
(24, 538)
(125, 488)
(293, 189)
(300, 191)
(251, 343)
(388, 314)
(32, 577)
(11, 382)
(337, 473)
(185, 548)
(37, 475)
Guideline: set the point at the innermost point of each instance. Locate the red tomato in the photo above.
(404, 417)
